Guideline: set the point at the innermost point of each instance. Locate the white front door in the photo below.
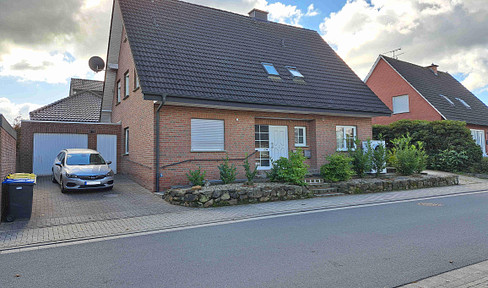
(107, 146)
(278, 142)
(479, 138)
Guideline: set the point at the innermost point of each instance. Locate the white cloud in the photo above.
(11, 110)
(451, 34)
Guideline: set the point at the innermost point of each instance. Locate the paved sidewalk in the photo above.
(473, 276)
(25, 236)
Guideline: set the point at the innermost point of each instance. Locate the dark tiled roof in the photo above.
(196, 52)
(81, 107)
(432, 86)
(77, 85)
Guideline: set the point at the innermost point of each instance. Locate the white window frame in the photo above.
(126, 141)
(126, 84)
(344, 138)
(294, 72)
(447, 99)
(304, 129)
(272, 70)
(198, 138)
(119, 87)
(263, 150)
(464, 103)
(481, 133)
(400, 110)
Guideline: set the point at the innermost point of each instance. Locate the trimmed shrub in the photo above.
(250, 174)
(378, 159)
(408, 158)
(292, 170)
(227, 172)
(196, 177)
(360, 159)
(437, 136)
(337, 169)
(449, 160)
(481, 167)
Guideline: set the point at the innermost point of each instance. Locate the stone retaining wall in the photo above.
(237, 193)
(233, 194)
(374, 185)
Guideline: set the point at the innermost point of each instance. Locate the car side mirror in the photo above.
(109, 162)
(58, 163)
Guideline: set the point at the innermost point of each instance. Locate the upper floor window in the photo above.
(207, 135)
(400, 104)
(270, 69)
(126, 82)
(300, 136)
(447, 99)
(136, 80)
(294, 71)
(346, 136)
(119, 87)
(464, 103)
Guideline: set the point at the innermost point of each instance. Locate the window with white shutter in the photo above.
(207, 135)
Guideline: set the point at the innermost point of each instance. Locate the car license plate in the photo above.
(88, 183)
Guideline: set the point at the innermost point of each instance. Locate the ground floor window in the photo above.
(479, 138)
(300, 136)
(346, 135)
(262, 146)
(126, 140)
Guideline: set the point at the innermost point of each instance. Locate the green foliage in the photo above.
(408, 158)
(437, 136)
(292, 170)
(360, 159)
(337, 169)
(480, 167)
(227, 172)
(250, 174)
(196, 177)
(449, 160)
(378, 159)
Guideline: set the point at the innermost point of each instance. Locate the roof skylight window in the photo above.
(294, 71)
(270, 69)
(464, 103)
(447, 99)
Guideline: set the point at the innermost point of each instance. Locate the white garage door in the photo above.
(48, 145)
(107, 146)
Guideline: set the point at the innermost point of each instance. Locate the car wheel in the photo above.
(63, 190)
(53, 179)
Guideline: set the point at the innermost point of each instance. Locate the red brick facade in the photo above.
(7, 152)
(386, 83)
(29, 128)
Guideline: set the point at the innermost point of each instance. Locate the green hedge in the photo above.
(437, 136)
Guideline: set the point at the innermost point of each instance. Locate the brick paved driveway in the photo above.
(52, 208)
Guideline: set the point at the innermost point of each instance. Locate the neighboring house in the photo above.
(191, 85)
(8, 140)
(72, 122)
(424, 93)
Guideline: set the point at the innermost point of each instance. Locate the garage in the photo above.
(48, 145)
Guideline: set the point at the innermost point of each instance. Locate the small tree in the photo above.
(408, 158)
(360, 158)
(228, 172)
(292, 170)
(196, 177)
(250, 173)
(379, 159)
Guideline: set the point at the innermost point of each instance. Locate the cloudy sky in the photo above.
(44, 43)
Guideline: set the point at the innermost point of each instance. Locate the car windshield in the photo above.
(84, 159)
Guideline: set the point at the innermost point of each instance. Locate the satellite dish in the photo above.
(96, 64)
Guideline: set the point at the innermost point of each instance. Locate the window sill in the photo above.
(125, 154)
(136, 89)
(116, 104)
(208, 151)
(400, 113)
(302, 146)
(125, 97)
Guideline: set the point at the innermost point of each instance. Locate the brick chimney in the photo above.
(433, 68)
(259, 15)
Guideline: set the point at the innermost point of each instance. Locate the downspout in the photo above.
(156, 145)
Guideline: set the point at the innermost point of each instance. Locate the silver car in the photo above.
(82, 169)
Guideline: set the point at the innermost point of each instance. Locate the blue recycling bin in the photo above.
(17, 197)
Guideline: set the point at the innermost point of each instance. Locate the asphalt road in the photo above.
(378, 246)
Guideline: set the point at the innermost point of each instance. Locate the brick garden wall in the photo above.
(386, 83)
(28, 128)
(8, 155)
